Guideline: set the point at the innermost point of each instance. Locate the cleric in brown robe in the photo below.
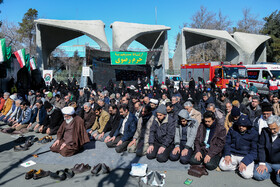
(71, 136)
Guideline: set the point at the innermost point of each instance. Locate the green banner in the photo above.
(128, 58)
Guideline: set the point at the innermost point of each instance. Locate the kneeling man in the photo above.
(241, 148)
(269, 151)
(72, 135)
(162, 134)
(209, 142)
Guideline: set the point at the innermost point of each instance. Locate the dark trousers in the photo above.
(163, 157)
(121, 148)
(211, 165)
(183, 159)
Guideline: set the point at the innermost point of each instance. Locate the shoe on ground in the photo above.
(96, 169)
(105, 169)
(30, 174)
(58, 175)
(40, 174)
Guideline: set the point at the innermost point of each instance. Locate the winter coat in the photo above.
(192, 127)
(217, 141)
(89, 118)
(42, 115)
(25, 116)
(268, 151)
(242, 144)
(129, 128)
(101, 121)
(163, 132)
(143, 132)
(53, 121)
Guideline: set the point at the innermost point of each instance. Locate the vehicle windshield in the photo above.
(176, 78)
(235, 72)
(276, 73)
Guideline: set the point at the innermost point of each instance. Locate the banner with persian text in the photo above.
(128, 58)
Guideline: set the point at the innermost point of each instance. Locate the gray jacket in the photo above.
(192, 127)
(143, 133)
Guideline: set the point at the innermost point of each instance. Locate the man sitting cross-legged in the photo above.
(241, 148)
(125, 131)
(71, 136)
(140, 142)
(209, 142)
(161, 135)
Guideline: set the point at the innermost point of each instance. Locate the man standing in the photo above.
(269, 151)
(209, 142)
(162, 134)
(124, 132)
(71, 136)
(241, 148)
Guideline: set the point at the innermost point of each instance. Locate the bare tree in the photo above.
(249, 23)
(9, 31)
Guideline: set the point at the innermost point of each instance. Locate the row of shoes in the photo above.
(58, 175)
(45, 139)
(36, 174)
(29, 141)
(80, 168)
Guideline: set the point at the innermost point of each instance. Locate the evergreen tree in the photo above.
(272, 28)
(27, 27)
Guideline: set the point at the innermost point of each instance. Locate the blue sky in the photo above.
(172, 13)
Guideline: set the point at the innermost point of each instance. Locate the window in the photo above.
(265, 75)
(253, 74)
(218, 73)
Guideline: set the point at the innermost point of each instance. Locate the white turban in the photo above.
(68, 110)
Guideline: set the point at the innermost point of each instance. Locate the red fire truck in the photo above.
(218, 71)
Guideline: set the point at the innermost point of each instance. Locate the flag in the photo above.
(9, 52)
(33, 63)
(20, 54)
(3, 56)
(27, 61)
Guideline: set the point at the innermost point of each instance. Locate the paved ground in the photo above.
(12, 174)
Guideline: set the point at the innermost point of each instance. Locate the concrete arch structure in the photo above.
(52, 33)
(252, 45)
(151, 36)
(241, 47)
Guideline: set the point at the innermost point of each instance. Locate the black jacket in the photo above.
(53, 121)
(113, 124)
(164, 132)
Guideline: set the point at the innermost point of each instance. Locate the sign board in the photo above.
(86, 71)
(128, 58)
(48, 76)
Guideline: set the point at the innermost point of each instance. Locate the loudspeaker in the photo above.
(3, 71)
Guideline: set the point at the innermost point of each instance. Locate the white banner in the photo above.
(86, 72)
(48, 76)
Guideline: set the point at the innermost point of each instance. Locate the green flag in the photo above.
(3, 50)
(27, 60)
(9, 52)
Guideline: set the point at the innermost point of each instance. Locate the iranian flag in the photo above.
(3, 50)
(20, 54)
(32, 63)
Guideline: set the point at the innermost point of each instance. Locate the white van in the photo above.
(260, 74)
